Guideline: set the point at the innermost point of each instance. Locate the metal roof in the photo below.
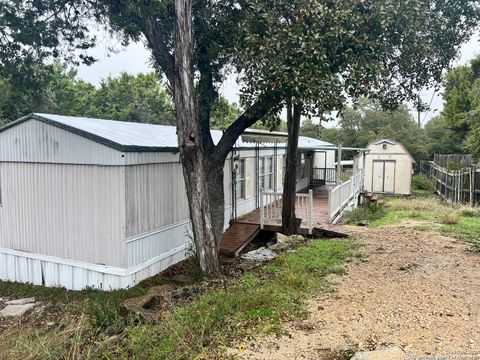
(131, 136)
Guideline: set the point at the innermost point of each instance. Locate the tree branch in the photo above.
(160, 51)
(260, 109)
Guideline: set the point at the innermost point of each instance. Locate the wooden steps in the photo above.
(238, 236)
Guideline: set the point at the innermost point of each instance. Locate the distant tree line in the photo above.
(56, 89)
(455, 131)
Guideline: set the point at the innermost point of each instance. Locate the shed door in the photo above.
(383, 180)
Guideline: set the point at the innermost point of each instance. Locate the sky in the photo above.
(136, 59)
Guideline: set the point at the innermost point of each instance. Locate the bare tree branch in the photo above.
(160, 51)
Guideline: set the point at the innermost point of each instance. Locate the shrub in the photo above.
(454, 165)
(365, 212)
(422, 182)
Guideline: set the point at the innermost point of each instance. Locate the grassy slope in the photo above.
(428, 210)
(258, 302)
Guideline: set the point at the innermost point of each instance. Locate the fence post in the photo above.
(474, 184)
(310, 211)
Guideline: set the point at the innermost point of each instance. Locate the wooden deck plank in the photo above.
(237, 237)
(245, 228)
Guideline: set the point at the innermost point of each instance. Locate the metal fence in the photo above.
(455, 186)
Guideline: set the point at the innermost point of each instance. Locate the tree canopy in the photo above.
(462, 106)
(368, 122)
(58, 90)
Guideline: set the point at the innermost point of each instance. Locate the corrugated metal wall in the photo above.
(70, 211)
(155, 197)
(35, 141)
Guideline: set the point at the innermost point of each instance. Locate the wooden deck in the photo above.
(245, 228)
(237, 236)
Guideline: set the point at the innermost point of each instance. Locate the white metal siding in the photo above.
(35, 141)
(68, 211)
(155, 197)
(144, 247)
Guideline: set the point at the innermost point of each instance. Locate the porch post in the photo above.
(261, 211)
(339, 164)
(310, 211)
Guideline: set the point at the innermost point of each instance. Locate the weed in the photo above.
(256, 303)
(365, 212)
(449, 217)
(470, 212)
(466, 229)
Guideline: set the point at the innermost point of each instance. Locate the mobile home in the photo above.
(100, 203)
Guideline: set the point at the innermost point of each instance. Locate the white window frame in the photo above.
(240, 179)
(265, 173)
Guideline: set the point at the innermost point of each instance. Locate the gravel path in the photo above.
(417, 290)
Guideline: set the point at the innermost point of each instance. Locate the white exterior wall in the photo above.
(403, 167)
(79, 214)
(36, 141)
(68, 211)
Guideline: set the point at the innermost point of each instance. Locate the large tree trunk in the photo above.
(289, 223)
(191, 144)
(216, 193)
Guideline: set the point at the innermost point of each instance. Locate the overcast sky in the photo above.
(135, 59)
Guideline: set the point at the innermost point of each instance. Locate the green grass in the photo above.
(432, 214)
(467, 229)
(256, 303)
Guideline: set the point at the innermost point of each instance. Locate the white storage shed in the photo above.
(388, 168)
(100, 203)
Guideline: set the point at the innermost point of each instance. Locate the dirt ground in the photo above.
(417, 290)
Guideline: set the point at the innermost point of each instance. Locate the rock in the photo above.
(391, 353)
(286, 242)
(16, 310)
(261, 254)
(281, 238)
(364, 223)
(21, 301)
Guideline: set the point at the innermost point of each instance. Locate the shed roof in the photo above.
(391, 142)
(139, 137)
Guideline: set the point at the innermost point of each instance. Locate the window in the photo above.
(265, 173)
(269, 174)
(240, 180)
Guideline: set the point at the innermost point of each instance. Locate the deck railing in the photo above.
(325, 174)
(341, 195)
(271, 208)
